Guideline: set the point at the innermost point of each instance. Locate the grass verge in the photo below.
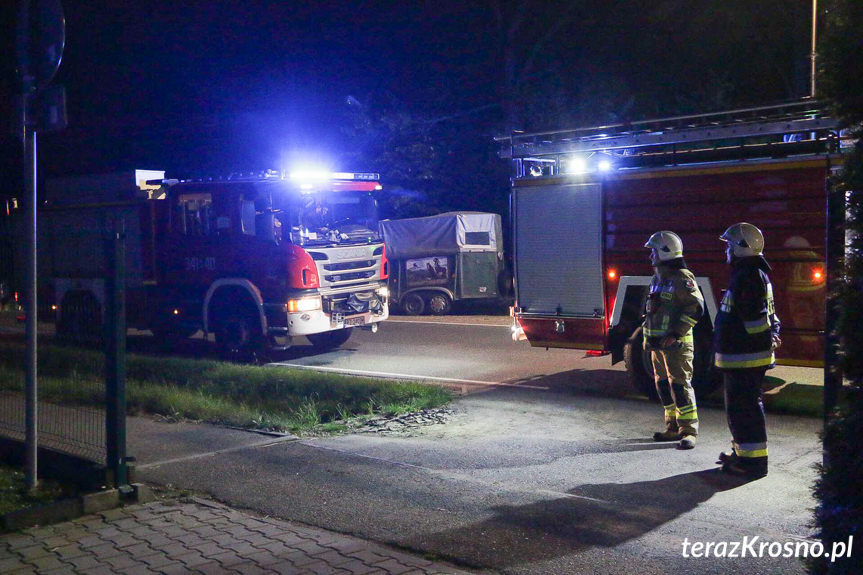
(269, 398)
(14, 494)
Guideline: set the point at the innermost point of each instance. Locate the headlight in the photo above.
(383, 291)
(304, 304)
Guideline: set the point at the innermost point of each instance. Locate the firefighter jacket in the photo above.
(746, 322)
(674, 304)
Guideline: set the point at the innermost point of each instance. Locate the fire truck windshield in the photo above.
(331, 217)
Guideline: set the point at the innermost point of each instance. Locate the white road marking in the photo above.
(408, 376)
(267, 443)
(447, 323)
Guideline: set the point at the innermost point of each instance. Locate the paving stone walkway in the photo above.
(193, 535)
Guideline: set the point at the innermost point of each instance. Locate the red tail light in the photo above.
(385, 264)
(302, 272)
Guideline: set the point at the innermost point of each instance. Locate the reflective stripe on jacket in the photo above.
(743, 336)
(674, 305)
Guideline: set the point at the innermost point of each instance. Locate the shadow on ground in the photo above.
(592, 382)
(595, 515)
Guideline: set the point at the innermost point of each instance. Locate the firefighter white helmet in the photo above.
(666, 244)
(744, 240)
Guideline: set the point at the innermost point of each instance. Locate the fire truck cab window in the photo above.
(195, 214)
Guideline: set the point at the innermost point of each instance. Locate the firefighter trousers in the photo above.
(744, 408)
(672, 372)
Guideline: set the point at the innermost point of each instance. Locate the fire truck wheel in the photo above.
(413, 304)
(438, 304)
(240, 340)
(330, 339)
(639, 370)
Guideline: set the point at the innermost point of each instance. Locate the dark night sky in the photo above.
(225, 85)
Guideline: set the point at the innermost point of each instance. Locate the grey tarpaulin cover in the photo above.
(448, 233)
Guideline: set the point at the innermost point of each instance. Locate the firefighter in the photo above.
(674, 305)
(746, 335)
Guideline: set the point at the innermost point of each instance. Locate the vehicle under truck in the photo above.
(255, 261)
(584, 202)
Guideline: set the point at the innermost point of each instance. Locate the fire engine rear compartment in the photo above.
(570, 236)
(694, 175)
(558, 272)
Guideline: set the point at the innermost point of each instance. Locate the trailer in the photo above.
(584, 202)
(441, 259)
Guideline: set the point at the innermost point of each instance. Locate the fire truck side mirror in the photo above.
(247, 217)
(266, 227)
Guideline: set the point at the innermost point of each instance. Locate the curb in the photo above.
(73, 507)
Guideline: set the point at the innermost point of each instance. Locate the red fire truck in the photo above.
(255, 260)
(585, 201)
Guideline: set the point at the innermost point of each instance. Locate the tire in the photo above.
(706, 379)
(639, 370)
(413, 304)
(240, 339)
(505, 286)
(438, 303)
(330, 339)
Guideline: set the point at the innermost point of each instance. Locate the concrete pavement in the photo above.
(193, 535)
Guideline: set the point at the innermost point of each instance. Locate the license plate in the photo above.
(351, 321)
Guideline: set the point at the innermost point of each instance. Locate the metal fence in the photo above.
(74, 430)
(81, 415)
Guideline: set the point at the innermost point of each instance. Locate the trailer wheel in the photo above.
(413, 304)
(438, 304)
(639, 370)
(330, 339)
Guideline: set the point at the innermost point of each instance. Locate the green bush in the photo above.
(839, 513)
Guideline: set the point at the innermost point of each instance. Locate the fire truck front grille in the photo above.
(349, 266)
(349, 276)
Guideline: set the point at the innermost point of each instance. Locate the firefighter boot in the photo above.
(686, 442)
(672, 431)
(687, 414)
(727, 456)
(750, 468)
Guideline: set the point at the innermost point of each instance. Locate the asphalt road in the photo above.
(468, 352)
(552, 472)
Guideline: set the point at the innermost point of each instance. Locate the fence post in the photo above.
(115, 359)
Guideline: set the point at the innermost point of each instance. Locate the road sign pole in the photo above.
(31, 409)
(40, 35)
